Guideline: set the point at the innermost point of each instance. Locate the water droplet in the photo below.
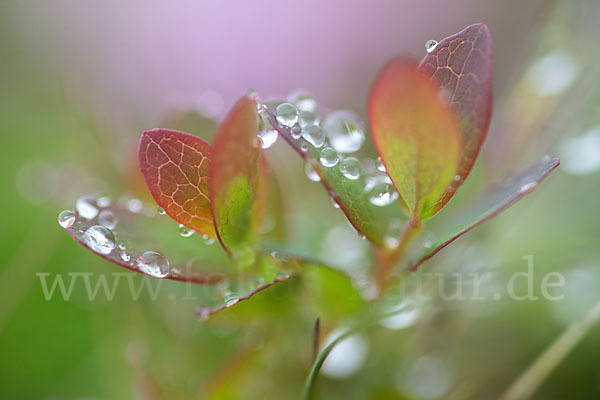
(380, 190)
(314, 135)
(328, 157)
(135, 205)
(104, 201)
(303, 100)
(100, 239)
(379, 165)
(350, 168)
(304, 146)
(287, 114)
(427, 243)
(252, 94)
(334, 203)
(121, 246)
(296, 132)
(256, 282)
(66, 218)
(125, 256)
(430, 45)
(308, 118)
(528, 187)
(86, 207)
(403, 315)
(231, 299)
(343, 130)
(108, 219)
(153, 263)
(161, 210)
(267, 138)
(311, 173)
(391, 242)
(457, 178)
(184, 231)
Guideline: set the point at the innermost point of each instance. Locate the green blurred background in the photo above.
(79, 83)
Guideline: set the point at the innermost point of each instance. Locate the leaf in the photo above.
(461, 67)
(238, 179)
(190, 259)
(175, 166)
(418, 139)
(491, 204)
(376, 223)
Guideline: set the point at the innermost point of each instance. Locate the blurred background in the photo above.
(79, 82)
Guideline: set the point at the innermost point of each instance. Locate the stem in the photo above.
(526, 385)
(389, 257)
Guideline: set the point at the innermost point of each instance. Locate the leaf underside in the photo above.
(417, 137)
(375, 223)
(238, 178)
(493, 202)
(175, 167)
(461, 66)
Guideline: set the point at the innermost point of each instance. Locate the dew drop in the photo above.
(161, 211)
(135, 206)
(308, 118)
(100, 239)
(311, 173)
(267, 138)
(104, 201)
(86, 207)
(287, 114)
(457, 178)
(379, 165)
(334, 203)
(153, 263)
(303, 100)
(350, 168)
(381, 191)
(528, 187)
(231, 299)
(343, 130)
(121, 246)
(125, 256)
(328, 157)
(108, 219)
(430, 45)
(296, 132)
(313, 135)
(66, 218)
(304, 146)
(391, 242)
(184, 231)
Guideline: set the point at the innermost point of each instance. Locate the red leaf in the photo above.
(175, 166)
(461, 66)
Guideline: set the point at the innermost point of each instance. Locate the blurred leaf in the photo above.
(375, 223)
(238, 179)
(491, 204)
(461, 67)
(190, 259)
(175, 166)
(191, 121)
(418, 139)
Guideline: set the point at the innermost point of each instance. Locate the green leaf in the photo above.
(417, 137)
(493, 202)
(238, 181)
(377, 224)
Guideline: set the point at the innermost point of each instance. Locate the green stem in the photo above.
(526, 385)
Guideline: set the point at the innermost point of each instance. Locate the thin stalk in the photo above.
(526, 385)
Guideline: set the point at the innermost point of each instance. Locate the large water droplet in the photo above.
(287, 114)
(328, 157)
(267, 138)
(430, 45)
(100, 239)
(313, 135)
(350, 168)
(343, 129)
(86, 207)
(303, 100)
(311, 173)
(108, 219)
(153, 263)
(184, 231)
(380, 190)
(66, 218)
(308, 118)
